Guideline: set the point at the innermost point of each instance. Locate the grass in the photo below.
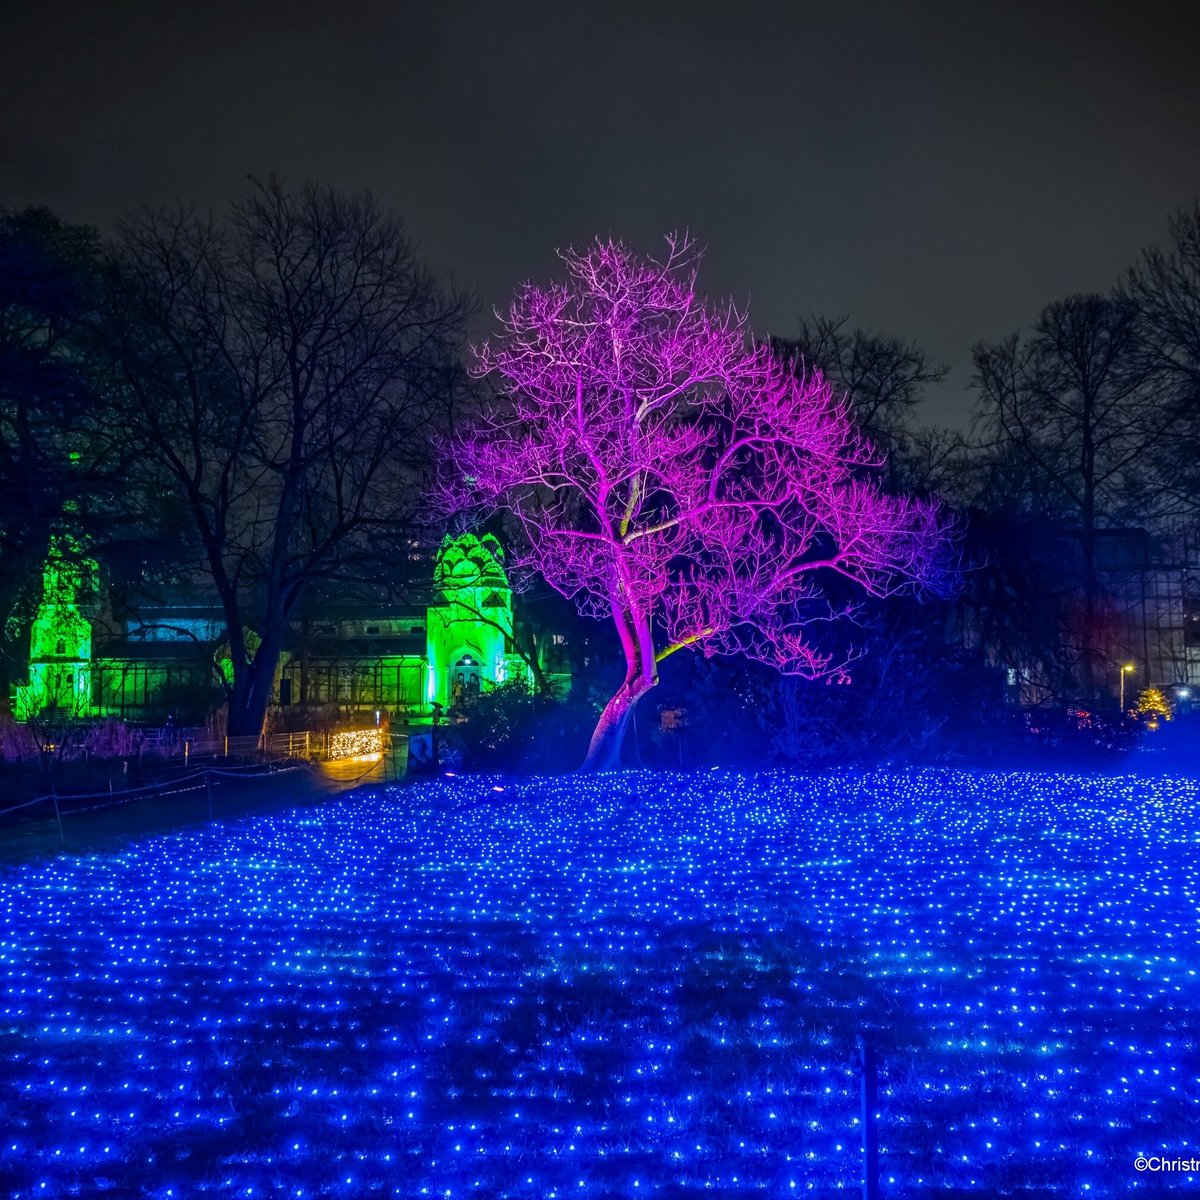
(637, 985)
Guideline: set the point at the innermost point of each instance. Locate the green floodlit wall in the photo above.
(467, 638)
(60, 640)
(132, 688)
(469, 632)
(391, 681)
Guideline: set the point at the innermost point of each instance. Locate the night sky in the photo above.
(937, 171)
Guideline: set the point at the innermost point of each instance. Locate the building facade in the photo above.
(353, 655)
(1138, 628)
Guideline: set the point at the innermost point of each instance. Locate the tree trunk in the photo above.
(525, 643)
(1090, 582)
(533, 657)
(251, 692)
(641, 674)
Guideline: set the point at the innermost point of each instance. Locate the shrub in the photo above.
(510, 728)
(16, 740)
(111, 739)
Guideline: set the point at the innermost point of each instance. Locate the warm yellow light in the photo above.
(358, 744)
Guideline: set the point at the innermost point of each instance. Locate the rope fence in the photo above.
(167, 787)
(291, 753)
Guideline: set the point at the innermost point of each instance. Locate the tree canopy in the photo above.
(674, 475)
(280, 373)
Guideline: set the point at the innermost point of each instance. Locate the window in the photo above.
(1191, 621)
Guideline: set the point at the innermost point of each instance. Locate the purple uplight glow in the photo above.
(673, 474)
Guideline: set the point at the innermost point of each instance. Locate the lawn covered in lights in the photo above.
(638, 985)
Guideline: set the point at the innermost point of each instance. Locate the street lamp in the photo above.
(1124, 671)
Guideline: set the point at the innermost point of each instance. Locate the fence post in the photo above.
(62, 841)
(864, 1060)
(208, 789)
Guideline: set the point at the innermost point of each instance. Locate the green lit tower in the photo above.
(60, 641)
(469, 632)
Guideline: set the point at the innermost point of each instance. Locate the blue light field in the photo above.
(624, 986)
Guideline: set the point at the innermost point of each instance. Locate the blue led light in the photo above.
(645, 984)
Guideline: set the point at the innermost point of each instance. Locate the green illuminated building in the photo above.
(348, 652)
(469, 625)
(60, 639)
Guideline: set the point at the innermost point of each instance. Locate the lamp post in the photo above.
(1124, 671)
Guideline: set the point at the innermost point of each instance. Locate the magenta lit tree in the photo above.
(673, 475)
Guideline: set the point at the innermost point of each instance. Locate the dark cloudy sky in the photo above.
(935, 170)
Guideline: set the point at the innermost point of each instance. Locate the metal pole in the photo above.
(58, 817)
(869, 1088)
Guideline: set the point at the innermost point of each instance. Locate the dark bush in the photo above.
(512, 728)
(905, 696)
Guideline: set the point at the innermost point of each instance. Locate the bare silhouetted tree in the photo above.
(883, 378)
(1165, 289)
(280, 372)
(1070, 413)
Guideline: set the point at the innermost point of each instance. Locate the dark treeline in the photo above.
(1074, 484)
(248, 404)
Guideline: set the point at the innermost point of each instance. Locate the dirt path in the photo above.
(35, 834)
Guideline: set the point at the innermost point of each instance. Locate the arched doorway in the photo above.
(465, 679)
